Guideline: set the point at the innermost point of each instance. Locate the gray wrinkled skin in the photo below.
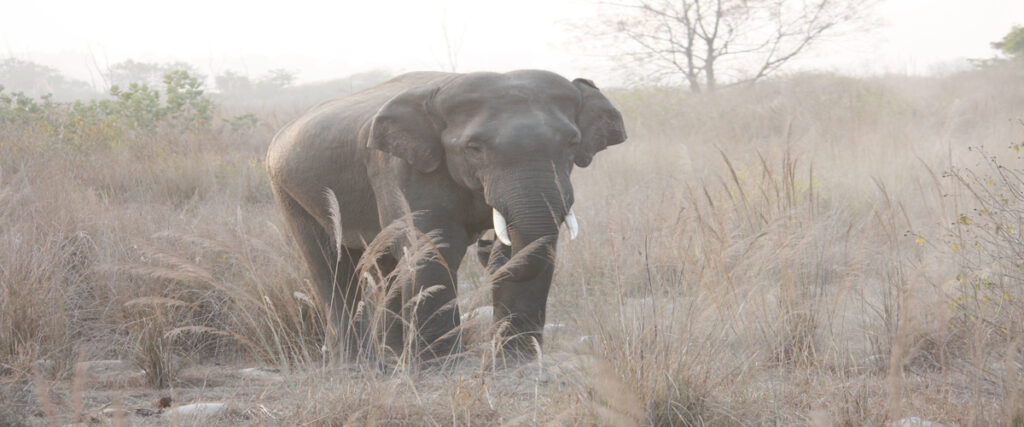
(450, 147)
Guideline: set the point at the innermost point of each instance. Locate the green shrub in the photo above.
(137, 108)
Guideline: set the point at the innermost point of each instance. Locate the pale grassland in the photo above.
(811, 250)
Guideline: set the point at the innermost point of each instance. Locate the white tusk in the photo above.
(501, 228)
(574, 227)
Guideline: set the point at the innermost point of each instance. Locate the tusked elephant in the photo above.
(466, 153)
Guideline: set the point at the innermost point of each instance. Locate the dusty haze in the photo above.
(838, 244)
(321, 42)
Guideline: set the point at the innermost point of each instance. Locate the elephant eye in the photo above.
(474, 147)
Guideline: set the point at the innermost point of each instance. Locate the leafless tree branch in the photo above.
(750, 39)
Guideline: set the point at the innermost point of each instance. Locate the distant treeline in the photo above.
(229, 87)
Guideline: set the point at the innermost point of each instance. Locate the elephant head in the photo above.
(513, 138)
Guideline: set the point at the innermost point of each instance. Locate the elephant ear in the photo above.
(405, 127)
(600, 123)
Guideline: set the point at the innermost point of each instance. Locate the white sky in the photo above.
(322, 41)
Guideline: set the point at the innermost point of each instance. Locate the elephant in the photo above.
(466, 153)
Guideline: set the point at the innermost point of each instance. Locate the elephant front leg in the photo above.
(519, 305)
(430, 304)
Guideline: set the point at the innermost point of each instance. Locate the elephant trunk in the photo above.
(530, 204)
(534, 202)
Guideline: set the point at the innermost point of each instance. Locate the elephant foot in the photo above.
(523, 345)
(441, 347)
(513, 355)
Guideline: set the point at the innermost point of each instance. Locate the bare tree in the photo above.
(700, 40)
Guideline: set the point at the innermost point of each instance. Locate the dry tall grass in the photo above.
(810, 250)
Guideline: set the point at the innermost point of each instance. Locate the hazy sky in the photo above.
(323, 41)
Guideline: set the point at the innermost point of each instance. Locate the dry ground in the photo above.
(814, 249)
